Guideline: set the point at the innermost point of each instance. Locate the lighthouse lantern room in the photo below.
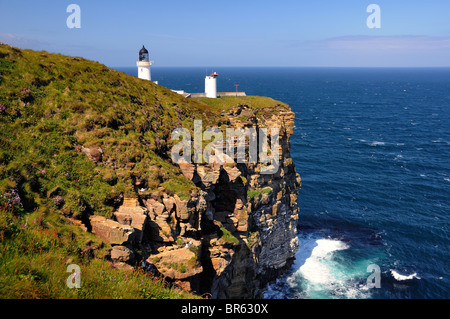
(144, 65)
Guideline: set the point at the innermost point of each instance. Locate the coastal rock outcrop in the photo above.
(133, 215)
(96, 152)
(229, 238)
(111, 231)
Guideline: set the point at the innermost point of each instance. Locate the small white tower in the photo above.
(211, 85)
(144, 65)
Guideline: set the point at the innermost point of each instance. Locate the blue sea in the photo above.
(372, 146)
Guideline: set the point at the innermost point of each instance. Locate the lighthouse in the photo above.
(211, 85)
(144, 65)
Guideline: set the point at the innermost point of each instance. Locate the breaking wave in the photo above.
(321, 271)
(400, 277)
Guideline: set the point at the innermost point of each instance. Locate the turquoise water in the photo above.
(372, 147)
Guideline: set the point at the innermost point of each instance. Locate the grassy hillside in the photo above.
(51, 108)
(75, 138)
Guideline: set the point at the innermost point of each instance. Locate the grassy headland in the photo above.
(75, 138)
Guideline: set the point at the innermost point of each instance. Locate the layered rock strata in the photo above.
(229, 238)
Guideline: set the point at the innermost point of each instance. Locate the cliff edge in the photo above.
(88, 147)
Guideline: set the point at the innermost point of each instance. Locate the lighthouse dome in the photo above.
(143, 54)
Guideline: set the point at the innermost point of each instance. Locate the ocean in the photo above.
(372, 146)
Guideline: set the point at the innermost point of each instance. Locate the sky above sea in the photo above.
(409, 33)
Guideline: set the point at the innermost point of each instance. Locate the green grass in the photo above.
(257, 192)
(35, 253)
(177, 266)
(255, 102)
(52, 107)
(228, 237)
(252, 238)
(193, 262)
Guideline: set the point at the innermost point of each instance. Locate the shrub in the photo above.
(228, 237)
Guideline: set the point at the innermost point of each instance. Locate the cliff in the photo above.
(261, 213)
(236, 232)
(88, 147)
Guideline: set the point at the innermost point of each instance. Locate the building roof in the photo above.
(143, 50)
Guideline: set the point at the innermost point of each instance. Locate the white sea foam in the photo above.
(314, 269)
(319, 274)
(400, 277)
(376, 143)
(447, 179)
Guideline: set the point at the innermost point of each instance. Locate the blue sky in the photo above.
(236, 33)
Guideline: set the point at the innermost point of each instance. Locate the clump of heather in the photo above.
(11, 199)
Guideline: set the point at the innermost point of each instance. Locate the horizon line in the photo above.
(292, 66)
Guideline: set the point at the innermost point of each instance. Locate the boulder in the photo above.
(111, 231)
(169, 203)
(162, 230)
(219, 264)
(157, 207)
(188, 170)
(132, 214)
(95, 154)
(232, 172)
(182, 208)
(178, 264)
(121, 254)
(123, 266)
(208, 176)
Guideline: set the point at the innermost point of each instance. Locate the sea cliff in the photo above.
(85, 150)
(236, 232)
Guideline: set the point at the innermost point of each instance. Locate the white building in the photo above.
(144, 65)
(211, 85)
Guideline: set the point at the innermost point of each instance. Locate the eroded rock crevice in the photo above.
(229, 238)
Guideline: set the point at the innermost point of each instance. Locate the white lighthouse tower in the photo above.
(211, 85)
(144, 65)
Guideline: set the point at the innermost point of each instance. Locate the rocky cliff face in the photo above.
(91, 146)
(231, 237)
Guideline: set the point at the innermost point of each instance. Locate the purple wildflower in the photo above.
(13, 198)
